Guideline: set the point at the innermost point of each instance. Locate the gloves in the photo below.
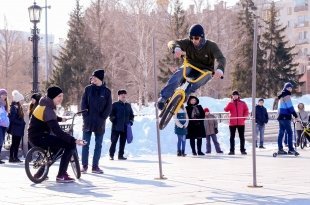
(216, 130)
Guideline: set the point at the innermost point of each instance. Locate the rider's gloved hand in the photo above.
(218, 73)
(178, 52)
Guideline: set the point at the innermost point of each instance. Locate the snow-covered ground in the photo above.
(144, 129)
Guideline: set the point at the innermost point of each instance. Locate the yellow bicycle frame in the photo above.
(186, 65)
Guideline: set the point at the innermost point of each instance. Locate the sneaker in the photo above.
(2, 162)
(96, 170)
(208, 152)
(281, 151)
(201, 153)
(161, 103)
(231, 153)
(11, 160)
(195, 153)
(122, 158)
(84, 169)
(111, 157)
(220, 152)
(293, 152)
(179, 153)
(244, 153)
(261, 147)
(65, 178)
(18, 160)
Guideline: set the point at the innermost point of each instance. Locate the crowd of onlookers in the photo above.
(196, 123)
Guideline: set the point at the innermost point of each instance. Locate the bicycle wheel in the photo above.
(36, 164)
(74, 161)
(169, 112)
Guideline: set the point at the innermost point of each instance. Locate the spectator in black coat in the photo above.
(97, 100)
(195, 129)
(121, 116)
(261, 118)
(17, 125)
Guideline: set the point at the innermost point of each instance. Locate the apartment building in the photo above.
(295, 14)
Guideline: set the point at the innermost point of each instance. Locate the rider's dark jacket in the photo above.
(203, 57)
(44, 122)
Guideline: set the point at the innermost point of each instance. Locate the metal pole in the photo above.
(46, 44)
(253, 102)
(161, 176)
(35, 39)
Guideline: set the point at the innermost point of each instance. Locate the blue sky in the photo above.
(16, 13)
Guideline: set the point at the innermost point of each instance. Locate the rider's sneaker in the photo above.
(293, 152)
(281, 151)
(161, 103)
(65, 178)
(97, 170)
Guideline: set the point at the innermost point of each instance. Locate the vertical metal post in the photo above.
(35, 40)
(46, 44)
(253, 102)
(161, 176)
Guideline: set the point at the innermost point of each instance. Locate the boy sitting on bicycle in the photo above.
(45, 132)
(201, 53)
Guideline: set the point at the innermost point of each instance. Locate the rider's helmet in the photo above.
(196, 30)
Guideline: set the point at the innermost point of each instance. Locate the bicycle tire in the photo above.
(75, 164)
(36, 159)
(169, 112)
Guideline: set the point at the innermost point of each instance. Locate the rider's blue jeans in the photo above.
(175, 80)
(98, 146)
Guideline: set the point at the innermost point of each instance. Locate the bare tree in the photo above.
(8, 50)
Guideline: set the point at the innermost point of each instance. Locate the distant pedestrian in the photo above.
(261, 119)
(196, 130)
(121, 116)
(285, 111)
(35, 98)
(4, 119)
(180, 129)
(17, 125)
(302, 121)
(211, 128)
(238, 112)
(98, 102)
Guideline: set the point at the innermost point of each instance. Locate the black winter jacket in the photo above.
(261, 115)
(17, 124)
(97, 100)
(44, 122)
(121, 115)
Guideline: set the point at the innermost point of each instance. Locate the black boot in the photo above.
(183, 153)
(179, 153)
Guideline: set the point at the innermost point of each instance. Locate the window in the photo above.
(301, 2)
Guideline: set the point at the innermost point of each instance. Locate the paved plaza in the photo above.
(212, 179)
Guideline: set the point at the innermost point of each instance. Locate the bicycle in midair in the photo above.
(179, 96)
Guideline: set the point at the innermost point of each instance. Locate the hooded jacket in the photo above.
(204, 57)
(44, 122)
(195, 128)
(286, 109)
(17, 123)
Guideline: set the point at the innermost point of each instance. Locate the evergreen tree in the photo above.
(242, 74)
(242, 71)
(77, 59)
(177, 30)
(280, 67)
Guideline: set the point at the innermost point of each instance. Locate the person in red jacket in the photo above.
(238, 112)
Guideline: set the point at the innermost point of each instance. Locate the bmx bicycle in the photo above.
(39, 160)
(305, 135)
(174, 103)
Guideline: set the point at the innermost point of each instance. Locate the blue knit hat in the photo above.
(287, 85)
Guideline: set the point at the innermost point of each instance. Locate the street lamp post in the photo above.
(35, 15)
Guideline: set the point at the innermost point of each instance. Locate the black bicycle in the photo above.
(39, 160)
